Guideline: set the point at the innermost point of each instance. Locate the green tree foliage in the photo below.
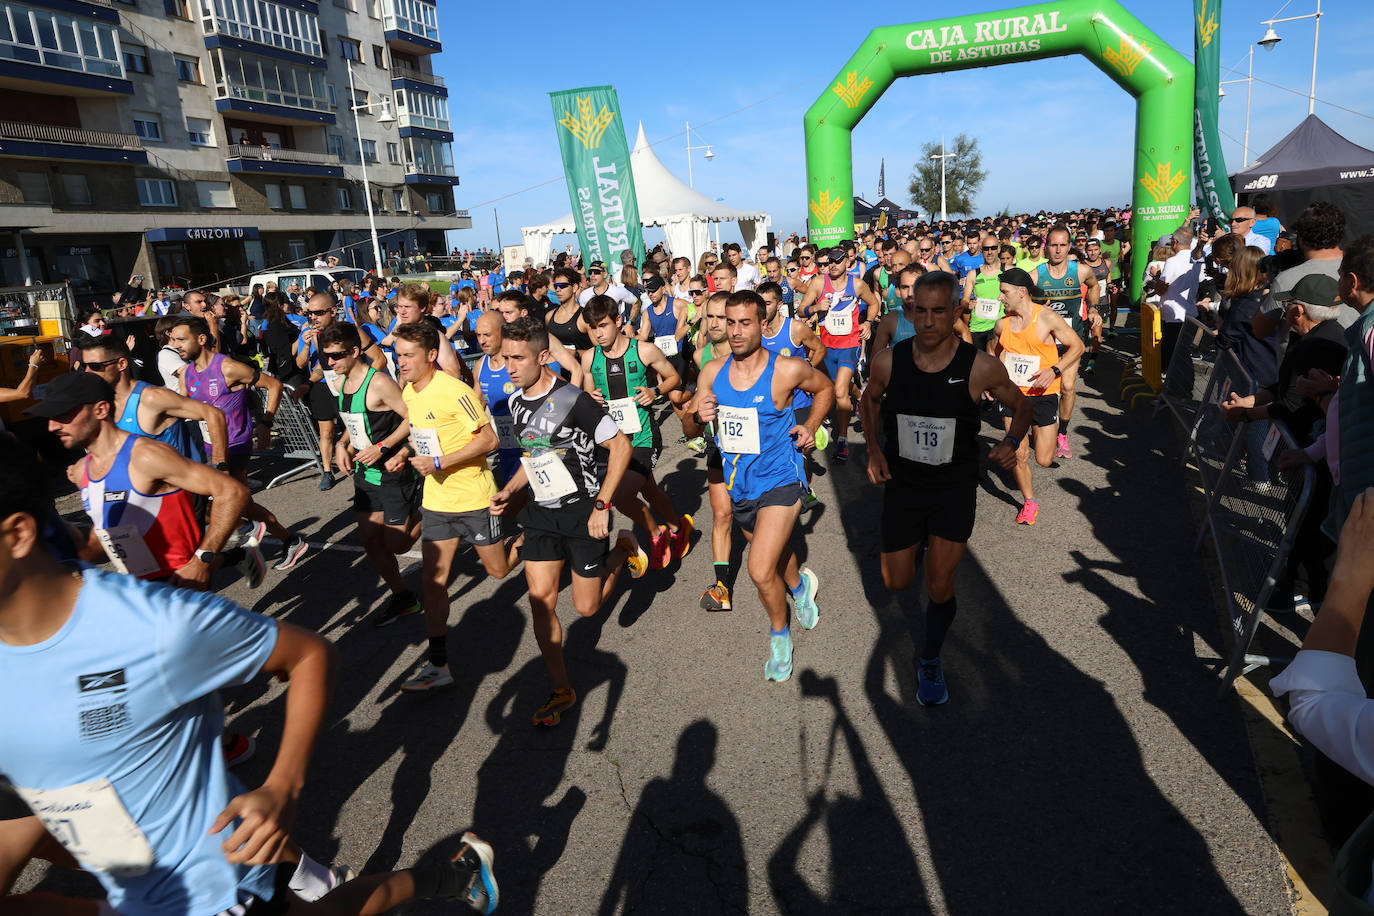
(964, 175)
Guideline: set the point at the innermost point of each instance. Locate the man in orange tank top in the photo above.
(1027, 339)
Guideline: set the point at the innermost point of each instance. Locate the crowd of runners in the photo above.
(527, 425)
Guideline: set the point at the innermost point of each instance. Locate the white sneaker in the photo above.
(252, 566)
(428, 677)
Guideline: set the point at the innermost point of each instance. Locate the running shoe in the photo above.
(326, 480)
(1088, 366)
(810, 500)
(779, 664)
(697, 445)
(716, 598)
(291, 553)
(930, 682)
(252, 566)
(841, 451)
(402, 605)
(429, 677)
(473, 867)
(1061, 446)
(636, 560)
(238, 748)
(1029, 510)
(682, 539)
(248, 534)
(660, 548)
(804, 606)
(559, 702)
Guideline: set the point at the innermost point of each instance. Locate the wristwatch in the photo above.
(1055, 370)
(205, 556)
(600, 506)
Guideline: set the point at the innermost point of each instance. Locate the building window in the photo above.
(413, 16)
(188, 69)
(374, 9)
(345, 199)
(346, 5)
(200, 132)
(264, 22)
(336, 145)
(136, 59)
(178, 8)
(422, 109)
(76, 190)
(295, 249)
(274, 201)
(369, 150)
(156, 192)
(262, 79)
(428, 157)
(214, 194)
(333, 99)
(378, 57)
(398, 201)
(393, 153)
(148, 127)
(35, 188)
(297, 193)
(435, 201)
(360, 99)
(350, 49)
(53, 39)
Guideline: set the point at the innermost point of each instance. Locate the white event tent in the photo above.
(684, 213)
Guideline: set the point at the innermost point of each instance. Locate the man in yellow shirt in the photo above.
(450, 436)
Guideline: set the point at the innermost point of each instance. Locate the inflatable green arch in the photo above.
(1101, 30)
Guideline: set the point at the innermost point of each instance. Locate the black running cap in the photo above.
(1015, 276)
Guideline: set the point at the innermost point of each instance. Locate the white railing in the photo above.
(401, 71)
(428, 168)
(72, 136)
(239, 151)
(411, 119)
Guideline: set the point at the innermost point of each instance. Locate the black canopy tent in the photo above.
(1313, 163)
(895, 212)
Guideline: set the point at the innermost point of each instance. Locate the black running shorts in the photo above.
(396, 501)
(1044, 409)
(561, 534)
(913, 513)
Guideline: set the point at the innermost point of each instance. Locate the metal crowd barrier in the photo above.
(1253, 516)
(1213, 436)
(1141, 379)
(297, 435)
(1188, 372)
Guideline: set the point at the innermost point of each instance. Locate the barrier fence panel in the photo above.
(1213, 436)
(1189, 371)
(1254, 516)
(1151, 341)
(297, 434)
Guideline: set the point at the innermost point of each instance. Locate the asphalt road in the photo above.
(1082, 765)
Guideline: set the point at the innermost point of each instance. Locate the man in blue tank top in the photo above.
(748, 395)
(924, 394)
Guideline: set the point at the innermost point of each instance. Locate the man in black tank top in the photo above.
(924, 395)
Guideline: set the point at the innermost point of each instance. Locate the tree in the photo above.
(964, 175)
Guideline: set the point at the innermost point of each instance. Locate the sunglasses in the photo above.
(806, 257)
(96, 366)
(595, 270)
(331, 355)
(791, 270)
(317, 314)
(697, 292)
(989, 247)
(926, 250)
(1241, 219)
(561, 285)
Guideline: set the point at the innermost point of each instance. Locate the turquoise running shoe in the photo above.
(779, 664)
(804, 606)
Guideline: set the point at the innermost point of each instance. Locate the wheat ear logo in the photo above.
(1125, 59)
(1163, 183)
(586, 126)
(1206, 25)
(824, 209)
(851, 91)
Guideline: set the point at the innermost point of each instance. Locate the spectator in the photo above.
(93, 323)
(278, 338)
(1320, 229)
(1356, 446)
(1243, 227)
(1177, 289)
(1242, 292)
(1266, 224)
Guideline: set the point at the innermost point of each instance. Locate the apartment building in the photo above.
(195, 141)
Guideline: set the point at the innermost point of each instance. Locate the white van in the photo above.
(307, 278)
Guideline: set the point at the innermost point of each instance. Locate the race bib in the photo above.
(91, 823)
(1021, 368)
(331, 380)
(841, 323)
(356, 424)
(425, 442)
(204, 432)
(738, 430)
(928, 440)
(505, 432)
(625, 413)
(667, 343)
(986, 309)
(548, 476)
(127, 552)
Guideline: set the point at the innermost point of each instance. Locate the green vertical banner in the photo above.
(1213, 185)
(596, 162)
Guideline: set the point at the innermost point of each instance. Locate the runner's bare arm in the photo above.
(237, 373)
(307, 663)
(883, 334)
(968, 296)
(815, 350)
(567, 359)
(588, 385)
(384, 394)
(989, 375)
(683, 328)
(813, 292)
(879, 372)
(703, 404)
(798, 374)
(1087, 281)
(1064, 336)
(450, 363)
(668, 378)
(995, 339)
(483, 441)
(875, 307)
(152, 461)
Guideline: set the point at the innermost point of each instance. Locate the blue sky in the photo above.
(712, 61)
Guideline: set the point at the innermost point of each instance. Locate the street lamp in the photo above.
(1271, 40)
(942, 156)
(386, 119)
(1249, 82)
(691, 149)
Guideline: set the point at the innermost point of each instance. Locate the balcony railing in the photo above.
(401, 71)
(108, 4)
(72, 136)
(240, 151)
(428, 168)
(415, 119)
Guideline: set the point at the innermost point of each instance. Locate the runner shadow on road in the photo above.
(682, 852)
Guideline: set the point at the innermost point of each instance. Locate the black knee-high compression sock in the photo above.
(438, 651)
(939, 617)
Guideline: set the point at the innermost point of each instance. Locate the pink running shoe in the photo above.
(1029, 509)
(1061, 446)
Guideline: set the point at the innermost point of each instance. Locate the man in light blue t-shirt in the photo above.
(112, 731)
